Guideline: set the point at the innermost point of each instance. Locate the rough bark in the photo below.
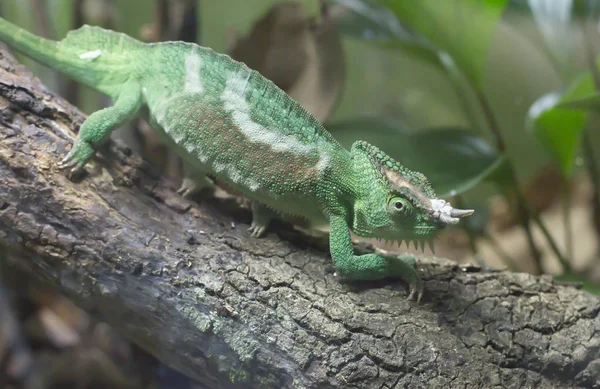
(187, 284)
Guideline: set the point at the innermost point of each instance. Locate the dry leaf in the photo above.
(300, 55)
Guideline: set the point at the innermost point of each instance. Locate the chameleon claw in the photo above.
(257, 231)
(416, 289)
(187, 188)
(70, 163)
(76, 159)
(184, 192)
(66, 162)
(191, 186)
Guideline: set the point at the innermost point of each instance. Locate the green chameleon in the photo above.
(227, 120)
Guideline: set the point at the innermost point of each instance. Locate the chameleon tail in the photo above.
(41, 49)
(79, 54)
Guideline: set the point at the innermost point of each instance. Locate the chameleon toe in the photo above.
(257, 231)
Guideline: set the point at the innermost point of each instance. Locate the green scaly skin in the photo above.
(226, 120)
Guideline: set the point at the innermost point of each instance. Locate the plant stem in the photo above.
(456, 80)
(588, 149)
(567, 218)
(522, 209)
(506, 258)
(592, 168)
(536, 218)
(591, 53)
(472, 238)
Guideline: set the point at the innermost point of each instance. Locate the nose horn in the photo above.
(461, 212)
(443, 212)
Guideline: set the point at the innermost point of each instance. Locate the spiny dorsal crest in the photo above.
(93, 37)
(395, 175)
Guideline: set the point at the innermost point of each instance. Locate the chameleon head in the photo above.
(395, 203)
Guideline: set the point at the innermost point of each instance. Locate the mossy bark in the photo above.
(187, 282)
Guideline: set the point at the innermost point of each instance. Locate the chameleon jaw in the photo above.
(418, 243)
(445, 214)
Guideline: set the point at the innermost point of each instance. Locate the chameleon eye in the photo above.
(399, 205)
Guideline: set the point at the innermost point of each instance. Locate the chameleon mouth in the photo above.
(418, 243)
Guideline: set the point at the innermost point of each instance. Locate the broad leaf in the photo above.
(363, 20)
(554, 19)
(453, 159)
(303, 59)
(462, 28)
(589, 102)
(559, 128)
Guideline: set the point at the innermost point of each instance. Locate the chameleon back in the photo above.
(213, 108)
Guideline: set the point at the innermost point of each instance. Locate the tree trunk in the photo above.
(187, 283)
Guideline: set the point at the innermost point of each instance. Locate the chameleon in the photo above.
(227, 121)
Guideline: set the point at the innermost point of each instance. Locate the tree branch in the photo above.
(235, 312)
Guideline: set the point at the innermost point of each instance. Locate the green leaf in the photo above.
(365, 21)
(589, 102)
(453, 159)
(558, 128)
(462, 28)
(379, 25)
(559, 31)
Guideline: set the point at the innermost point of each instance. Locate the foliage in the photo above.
(559, 128)
(454, 159)
(461, 28)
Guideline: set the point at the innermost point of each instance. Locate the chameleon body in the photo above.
(226, 120)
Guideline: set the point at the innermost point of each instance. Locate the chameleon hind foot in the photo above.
(261, 218)
(257, 230)
(194, 181)
(412, 277)
(191, 186)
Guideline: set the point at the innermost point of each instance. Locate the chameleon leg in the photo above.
(98, 126)
(261, 218)
(194, 181)
(369, 266)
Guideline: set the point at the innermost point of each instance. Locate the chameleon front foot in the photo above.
(375, 267)
(96, 129)
(409, 274)
(370, 266)
(79, 155)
